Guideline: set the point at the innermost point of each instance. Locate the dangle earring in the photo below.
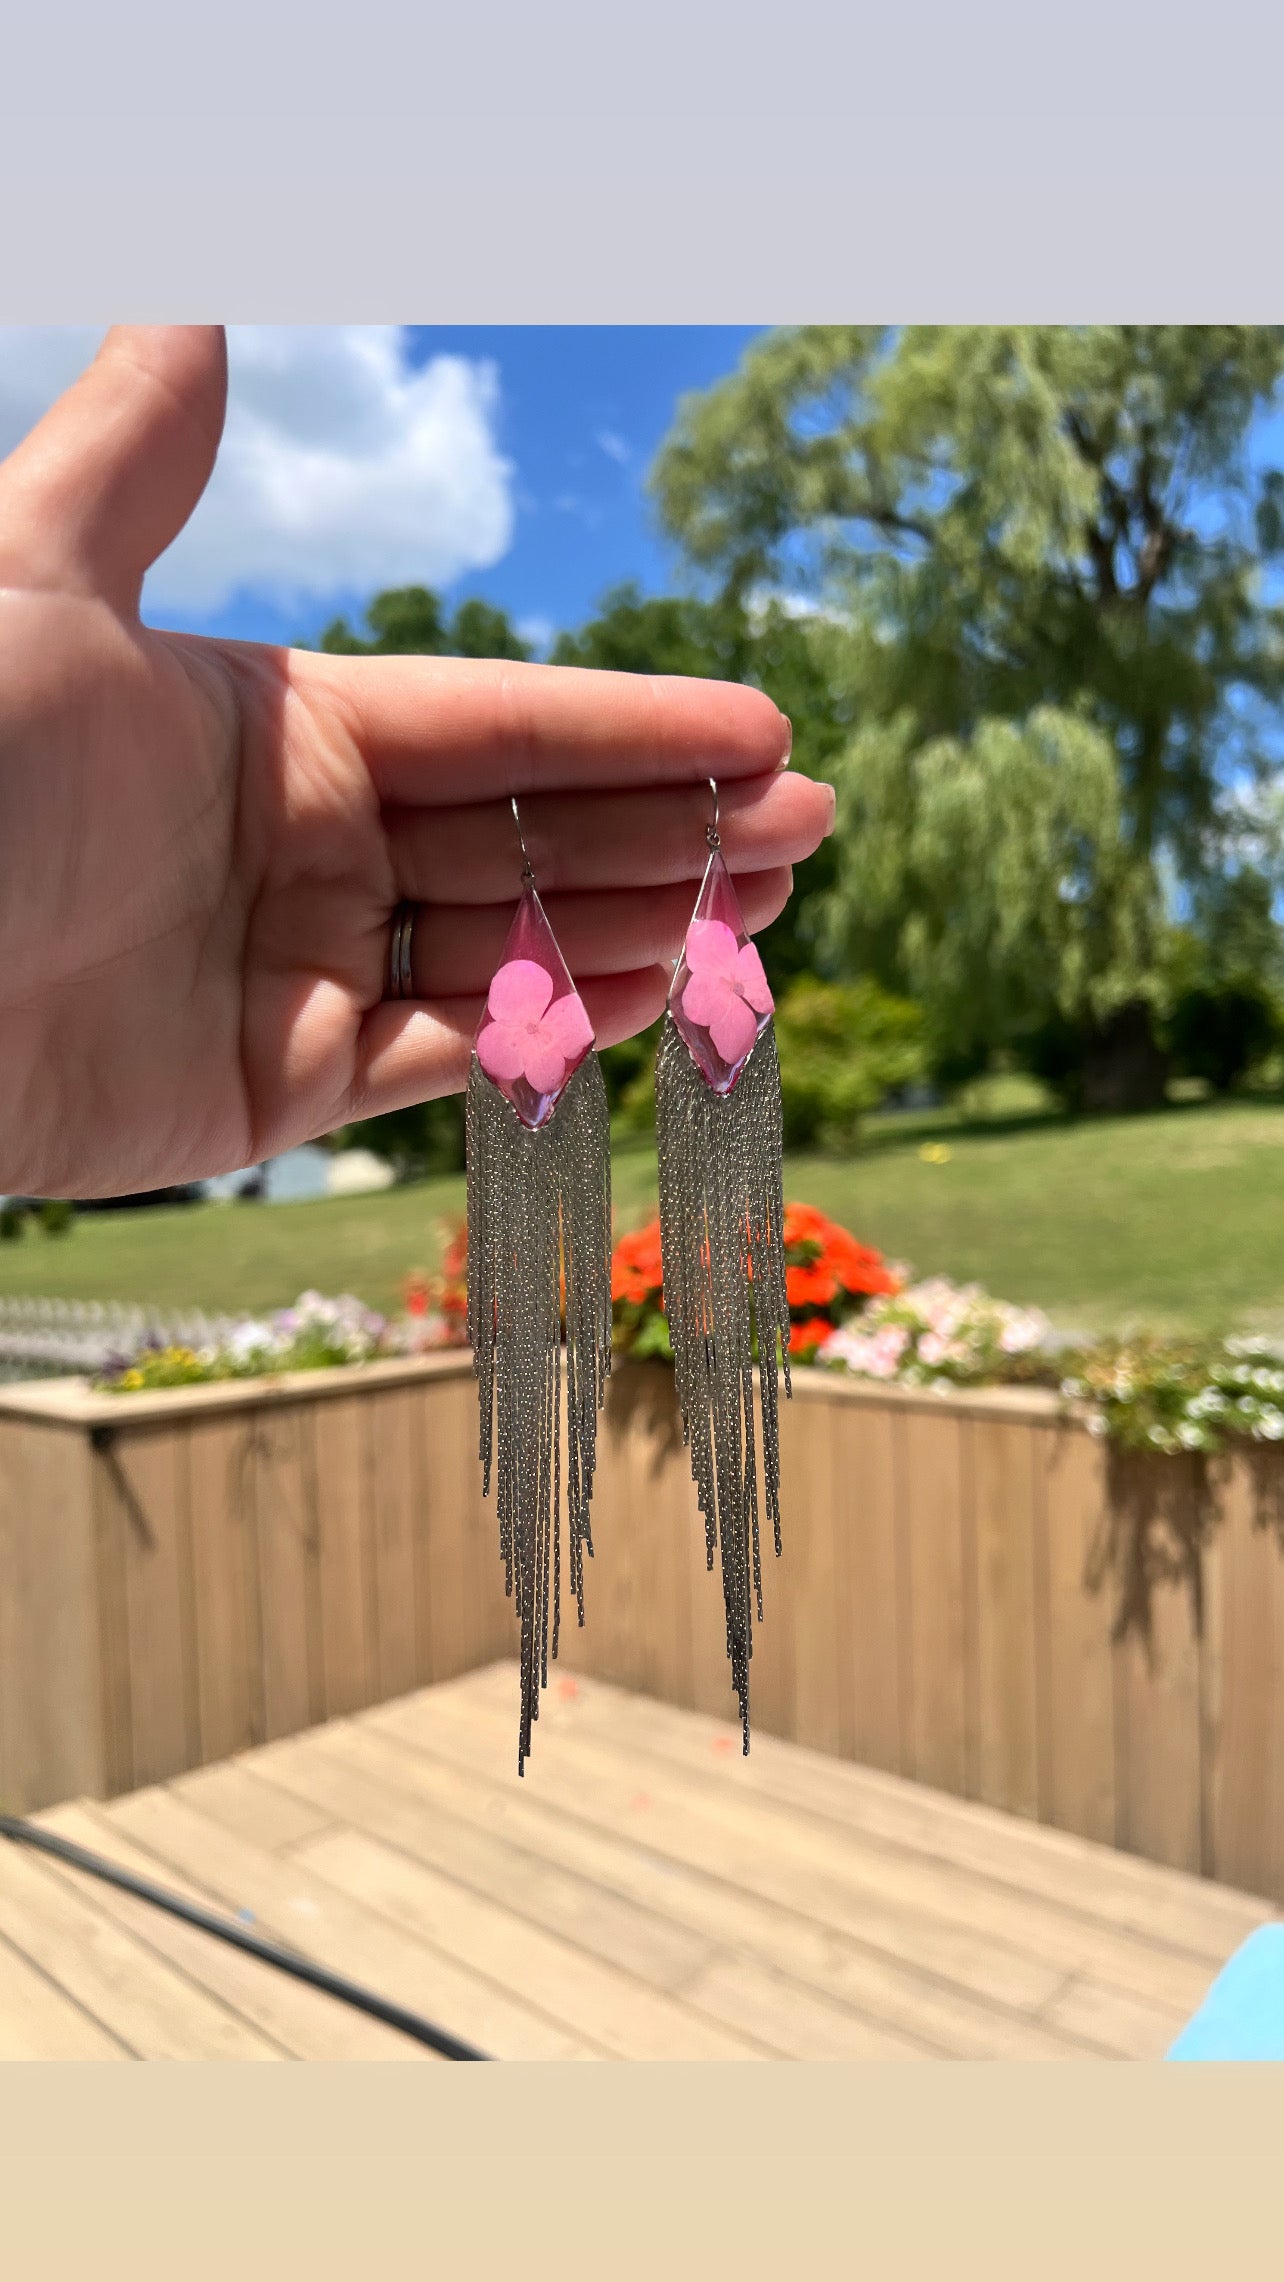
(539, 1247)
(718, 1133)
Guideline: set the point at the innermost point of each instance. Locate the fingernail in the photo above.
(789, 741)
(833, 809)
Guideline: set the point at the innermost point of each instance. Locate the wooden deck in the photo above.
(645, 1893)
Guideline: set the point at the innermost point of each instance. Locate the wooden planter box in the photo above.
(183, 1575)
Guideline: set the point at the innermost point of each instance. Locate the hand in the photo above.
(202, 842)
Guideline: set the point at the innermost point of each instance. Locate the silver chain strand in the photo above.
(539, 1205)
(722, 1245)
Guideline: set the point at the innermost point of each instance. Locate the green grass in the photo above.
(1175, 1220)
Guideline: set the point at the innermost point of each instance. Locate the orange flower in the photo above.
(815, 1286)
(636, 1268)
(827, 1273)
(804, 1224)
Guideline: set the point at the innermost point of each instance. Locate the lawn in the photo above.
(1175, 1220)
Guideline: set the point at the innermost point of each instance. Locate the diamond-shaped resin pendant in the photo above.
(535, 1030)
(719, 1000)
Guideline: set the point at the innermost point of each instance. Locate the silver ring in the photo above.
(400, 984)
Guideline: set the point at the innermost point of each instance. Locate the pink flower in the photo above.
(726, 990)
(526, 1037)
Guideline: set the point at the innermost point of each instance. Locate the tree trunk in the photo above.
(1124, 1067)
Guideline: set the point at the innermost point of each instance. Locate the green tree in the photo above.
(1046, 547)
(734, 638)
(408, 621)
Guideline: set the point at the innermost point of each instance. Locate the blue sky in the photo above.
(577, 413)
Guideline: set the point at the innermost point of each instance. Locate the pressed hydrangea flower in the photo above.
(727, 990)
(526, 1037)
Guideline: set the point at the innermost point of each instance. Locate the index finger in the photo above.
(438, 730)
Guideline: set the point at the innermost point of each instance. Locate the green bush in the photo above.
(843, 1048)
(1220, 1034)
(55, 1216)
(12, 1222)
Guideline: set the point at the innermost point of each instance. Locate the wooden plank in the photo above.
(1129, 2026)
(301, 2021)
(1167, 1907)
(1160, 1779)
(111, 1524)
(230, 1795)
(51, 1712)
(931, 1506)
(289, 1570)
(903, 1968)
(295, 1906)
(349, 1774)
(40, 2022)
(1004, 1505)
(229, 1674)
(1078, 1694)
(394, 1490)
(423, 1808)
(144, 1480)
(344, 1526)
(625, 1564)
(637, 1603)
(794, 1681)
(733, 2008)
(1247, 1801)
(594, 2000)
(1015, 1946)
(710, 1688)
(464, 1617)
(864, 1555)
(120, 1980)
(795, 2022)
(751, 1954)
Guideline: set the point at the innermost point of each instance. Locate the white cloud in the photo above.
(341, 468)
(614, 446)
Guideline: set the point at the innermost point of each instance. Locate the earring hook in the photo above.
(528, 869)
(711, 829)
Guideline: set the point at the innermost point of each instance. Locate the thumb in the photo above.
(112, 472)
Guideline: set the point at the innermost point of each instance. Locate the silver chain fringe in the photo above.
(722, 1245)
(539, 1205)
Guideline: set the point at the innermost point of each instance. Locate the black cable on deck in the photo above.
(226, 1929)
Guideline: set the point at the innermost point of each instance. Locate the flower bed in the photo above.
(851, 1311)
(315, 1334)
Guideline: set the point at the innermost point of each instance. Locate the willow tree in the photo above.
(1045, 554)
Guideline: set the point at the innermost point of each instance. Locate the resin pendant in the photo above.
(719, 999)
(535, 1030)
(718, 1131)
(539, 1276)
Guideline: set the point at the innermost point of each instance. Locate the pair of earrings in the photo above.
(539, 1256)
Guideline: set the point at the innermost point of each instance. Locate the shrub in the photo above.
(13, 1220)
(1221, 1034)
(843, 1048)
(55, 1216)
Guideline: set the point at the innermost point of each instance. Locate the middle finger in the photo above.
(648, 838)
(455, 949)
